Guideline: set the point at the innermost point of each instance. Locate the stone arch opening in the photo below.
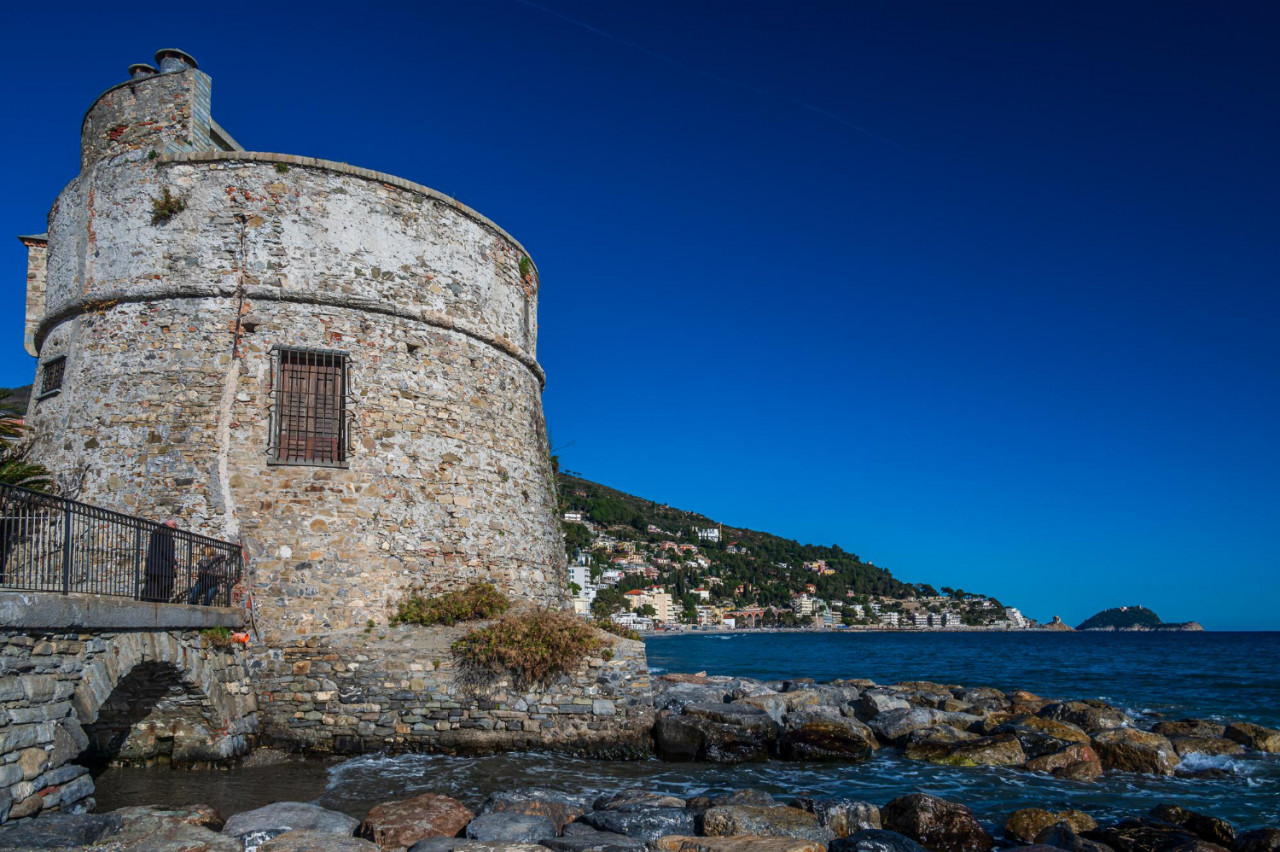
(154, 715)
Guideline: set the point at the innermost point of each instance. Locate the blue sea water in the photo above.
(1217, 675)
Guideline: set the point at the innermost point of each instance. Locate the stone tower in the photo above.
(335, 365)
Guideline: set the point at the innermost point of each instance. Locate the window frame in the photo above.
(335, 410)
(59, 361)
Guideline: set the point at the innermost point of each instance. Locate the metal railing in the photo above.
(52, 544)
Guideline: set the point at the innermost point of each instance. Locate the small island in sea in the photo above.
(1135, 618)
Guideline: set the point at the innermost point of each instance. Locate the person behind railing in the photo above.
(211, 573)
(161, 562)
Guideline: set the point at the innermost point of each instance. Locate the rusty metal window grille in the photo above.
(51, 375)
(309, 407)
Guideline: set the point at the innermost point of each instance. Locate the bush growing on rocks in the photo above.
(475, 602)
(532, 646)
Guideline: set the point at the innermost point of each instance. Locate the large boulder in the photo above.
(751, 798)
(936, 823)
(1133, 750)
(644, 823)
(405, 822)
(1075, 763)
(874, 702)
(57, 831)
(508, 827)
(842, 816)
(1143, 835)
(999, 750)
(315, 841)
(1208, 828)
(875, 840)
(1205, 745)
(1025, 825)
(561, 808)
(1062, 836)
(719, 733)
(1253, 736)
(894, 726)
(739, 820)
(1257, 840)
(191, 828)
(630, 799)
(679, 843)
(1189, 728)
(675, 696)
(1089, 716)
(1039, 737)
(462, 844)
(252, 828)
(205, 816)
(774, 704)
(580, 837)
(821, 736)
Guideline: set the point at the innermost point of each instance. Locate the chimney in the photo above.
(141, 71)
(170, 59)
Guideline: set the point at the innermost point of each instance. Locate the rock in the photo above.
(1189, 728)
(924, 743)
(1090, 716)
(1142, 835)
(751, 798)
(817, 736)
(1257, 840)
(1207, 828)
(1255, 737)
(406, 822)
(875, 840)
(773, 704)
(259, 825)
(644, 823)
(738, 820)
(679, 843)
(1063, 836)
(1205, 745)
(893, 726)
(1132, 750)
(872, 704)
(192, 828)
(1025, 825)
(676, 697)
(936, 823)
(205, 816)
(560, 808)
(691, 737)
(316, 841)
(507, 827)
(843, 816)
(999, 750)
(57, 830)
(461, 844)
(631, 799)
(1075, 763)
(584, 838)
(1039, 737)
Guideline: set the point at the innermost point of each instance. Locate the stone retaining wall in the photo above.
(398, 690)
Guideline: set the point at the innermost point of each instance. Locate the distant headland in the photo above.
(1135, 618)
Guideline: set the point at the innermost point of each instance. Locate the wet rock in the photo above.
(1132, 750)
(507, 827)
(579, 837)
(1205, 745)
(871, 704)
(773, 704)
(936, 823)
(1253, 736)
(1207, 828)
(679, 843)
(801, 698)
(1025, 825)
(405, 822)
(1039, 737)
(55, 831)
(1063, 836)
(461, 844)
(632, 799)
(999, 750)
(723, 733)
(751, 798)
(1142, 835)
(1257, 840)
(818, 736)
(1189, 728)
(893, 726)
(739, 820)
(185, 829)
(205, 816)
(255, 827)
(677, 696)
(316, 841)
(644, 823)
(560, 808)
(875, 840)
(842, 816)
(1090, 716)
(1075, 763)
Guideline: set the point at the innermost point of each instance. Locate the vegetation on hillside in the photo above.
(1125, 616)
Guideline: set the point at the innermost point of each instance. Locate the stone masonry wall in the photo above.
(164, 113)
(398, 690)
(54, 686)
(37, 250)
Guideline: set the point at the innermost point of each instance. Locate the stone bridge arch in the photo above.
(85, 680)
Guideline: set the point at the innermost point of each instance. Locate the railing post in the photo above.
(137, 561)
(66, 548)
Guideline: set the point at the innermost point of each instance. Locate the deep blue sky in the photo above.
(986, 293)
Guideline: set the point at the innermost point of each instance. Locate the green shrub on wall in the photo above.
(475, 602)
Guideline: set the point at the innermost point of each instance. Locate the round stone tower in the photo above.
(335, 365)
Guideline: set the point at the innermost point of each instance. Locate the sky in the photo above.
(985, 292)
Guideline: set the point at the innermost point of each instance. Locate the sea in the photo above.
(1212, 675)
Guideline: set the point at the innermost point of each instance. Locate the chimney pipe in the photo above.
(170, 59)
(141, 70)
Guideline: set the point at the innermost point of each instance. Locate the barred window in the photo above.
(51, 375)
(309, 411)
